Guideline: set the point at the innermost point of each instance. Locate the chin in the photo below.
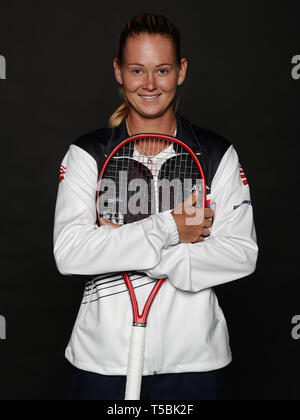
(153, 113)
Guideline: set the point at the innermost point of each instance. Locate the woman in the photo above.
(187, 343)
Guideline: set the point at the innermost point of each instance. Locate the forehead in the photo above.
(147, 48)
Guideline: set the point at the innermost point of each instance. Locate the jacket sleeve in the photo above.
(81, 247)
(230, 252)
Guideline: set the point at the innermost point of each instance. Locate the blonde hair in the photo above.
(144, 23)
(120, 114)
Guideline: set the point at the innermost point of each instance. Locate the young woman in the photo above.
(187, 344)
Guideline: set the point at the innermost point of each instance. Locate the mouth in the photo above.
(149, 98)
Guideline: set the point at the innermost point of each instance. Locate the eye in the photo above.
(163, 71)
(136, 71)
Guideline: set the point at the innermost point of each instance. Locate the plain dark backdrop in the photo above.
(60, 85)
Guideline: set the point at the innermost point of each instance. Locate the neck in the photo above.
(164, 124)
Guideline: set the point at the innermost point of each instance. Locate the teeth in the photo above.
(150, 97)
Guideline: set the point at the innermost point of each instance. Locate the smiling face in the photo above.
(150, 74)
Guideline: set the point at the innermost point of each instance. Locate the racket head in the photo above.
(147, 174)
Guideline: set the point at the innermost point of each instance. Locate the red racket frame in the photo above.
(138, 318)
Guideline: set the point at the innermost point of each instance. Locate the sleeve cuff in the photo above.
(171, 227)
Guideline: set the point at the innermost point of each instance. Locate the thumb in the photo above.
(190, 203)
(192, 199)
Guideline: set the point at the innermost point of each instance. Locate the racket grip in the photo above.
(135, 363)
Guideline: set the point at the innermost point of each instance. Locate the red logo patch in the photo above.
(243, 176)
(62, 172)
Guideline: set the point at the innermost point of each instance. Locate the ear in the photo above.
(118, 73)
(182, 71)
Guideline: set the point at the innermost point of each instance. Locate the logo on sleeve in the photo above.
(248, 202)
(62, 173)
(243, 176)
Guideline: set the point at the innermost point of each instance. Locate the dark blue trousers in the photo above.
(171, 386)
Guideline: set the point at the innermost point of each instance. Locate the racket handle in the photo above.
(135, 363)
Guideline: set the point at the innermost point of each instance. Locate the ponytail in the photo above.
(118, 116)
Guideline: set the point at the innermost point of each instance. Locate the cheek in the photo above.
(168, 84)
(130, 83)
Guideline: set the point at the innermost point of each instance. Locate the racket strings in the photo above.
(145, 183)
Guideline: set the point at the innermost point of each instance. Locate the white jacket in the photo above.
(186, 329)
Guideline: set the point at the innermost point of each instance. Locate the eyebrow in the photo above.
(141, 65)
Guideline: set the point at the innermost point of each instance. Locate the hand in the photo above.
(104, 222)
(192, 222)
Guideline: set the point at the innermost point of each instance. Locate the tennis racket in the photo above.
(145, 174)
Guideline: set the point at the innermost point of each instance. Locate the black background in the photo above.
(60, 85)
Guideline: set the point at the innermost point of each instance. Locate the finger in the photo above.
(187, 205)
(115, 226)
(208, 212)
(205, 232)
(194, 216)
(200, 239)
(208, 223)
(103, 221)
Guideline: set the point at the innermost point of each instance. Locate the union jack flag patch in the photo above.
(243, 176)
(62, 172)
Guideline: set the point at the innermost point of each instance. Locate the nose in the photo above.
(150, 83)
